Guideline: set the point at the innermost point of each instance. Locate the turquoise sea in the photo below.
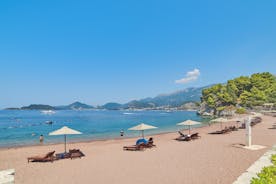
(20, 128)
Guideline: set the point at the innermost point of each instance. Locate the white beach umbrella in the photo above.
(142, 127)
(189, 123)
(65, 131)
(220, 120)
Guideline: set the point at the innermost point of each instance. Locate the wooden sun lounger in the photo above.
(195, 136)
(139, 147)
(45, 158)
(184, 138)
(224, 131)
(149, 145)
(188, 137)
(75, 153)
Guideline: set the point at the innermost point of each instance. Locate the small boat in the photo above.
(49, 122)
(48, 112)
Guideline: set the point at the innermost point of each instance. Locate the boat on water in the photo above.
(48, 112)
(49, 122)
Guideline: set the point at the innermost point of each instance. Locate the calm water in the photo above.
(19, 128)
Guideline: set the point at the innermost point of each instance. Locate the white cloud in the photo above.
(190, 76)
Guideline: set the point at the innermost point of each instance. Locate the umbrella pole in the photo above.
(65, 143)
(189, 129)
(143, 133)
(221, 125)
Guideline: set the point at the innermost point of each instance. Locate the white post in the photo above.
(248, 131)
(65, 143)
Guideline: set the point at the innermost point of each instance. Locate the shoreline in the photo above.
(72, 141)
(103, 139)
(88, 141)
(95, 125)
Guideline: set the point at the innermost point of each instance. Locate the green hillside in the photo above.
(243, 91)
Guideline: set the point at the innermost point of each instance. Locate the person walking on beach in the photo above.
(41, 139)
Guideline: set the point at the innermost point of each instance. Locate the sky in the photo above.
(57, 52)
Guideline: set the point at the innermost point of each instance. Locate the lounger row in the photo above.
(50, 157)
(254, 121)
(226, 130)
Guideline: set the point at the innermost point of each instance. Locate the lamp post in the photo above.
(248, 131)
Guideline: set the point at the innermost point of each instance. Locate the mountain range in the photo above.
(171, 100)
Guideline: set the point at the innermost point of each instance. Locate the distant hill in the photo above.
(74, 106)
(37, 107)
(112, 106)
(175, 99)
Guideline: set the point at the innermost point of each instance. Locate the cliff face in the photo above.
(205, 110)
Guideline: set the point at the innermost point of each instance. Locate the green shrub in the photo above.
(273, 159)
(267, 175)
(241, 111)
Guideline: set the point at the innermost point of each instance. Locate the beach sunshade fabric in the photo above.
(142, 127)
(189, 123)
(65, 131)
(220, 120)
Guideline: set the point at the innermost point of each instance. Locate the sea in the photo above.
(23, 127)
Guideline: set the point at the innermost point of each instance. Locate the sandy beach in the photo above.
(215, 159)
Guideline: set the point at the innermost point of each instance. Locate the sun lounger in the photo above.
(139, 147)
(187, 137)
(75, 153)
(217, 132)
(254, 121)
(224, 131)
(45, 158)
(195, 136)
(184, 138)
(181, 134)
(62, 156)
(233, 128)
(148, 145)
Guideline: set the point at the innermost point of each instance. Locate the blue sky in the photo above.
(57, 52)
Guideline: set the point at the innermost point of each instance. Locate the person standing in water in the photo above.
(41, 139)
(122, 133)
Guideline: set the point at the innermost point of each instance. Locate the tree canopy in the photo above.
(243, 91)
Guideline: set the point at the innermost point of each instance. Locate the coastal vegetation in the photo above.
(267, 175)
(246, 92)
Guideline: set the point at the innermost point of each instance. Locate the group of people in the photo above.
(144, 141)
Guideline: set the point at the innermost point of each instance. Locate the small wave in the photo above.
(128, 113)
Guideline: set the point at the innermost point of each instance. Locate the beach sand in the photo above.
(213, 159)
